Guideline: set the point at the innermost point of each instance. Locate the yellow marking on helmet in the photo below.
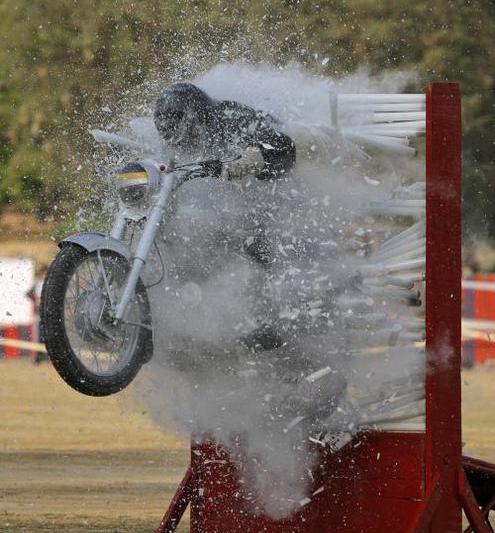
(132, 175)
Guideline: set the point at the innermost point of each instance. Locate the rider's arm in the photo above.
(268, 153)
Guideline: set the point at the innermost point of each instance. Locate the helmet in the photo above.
(182, 114)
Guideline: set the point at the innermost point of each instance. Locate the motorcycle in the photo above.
(95, 311)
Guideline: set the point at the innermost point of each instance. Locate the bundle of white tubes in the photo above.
(384, 320)
(395, 272)
(391, 120)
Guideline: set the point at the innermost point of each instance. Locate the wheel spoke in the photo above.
(102, 348)
(77, 284)
(105, 279)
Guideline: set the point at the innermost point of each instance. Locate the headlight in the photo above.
(132, 183)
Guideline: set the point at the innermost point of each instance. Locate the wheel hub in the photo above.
(92, 316)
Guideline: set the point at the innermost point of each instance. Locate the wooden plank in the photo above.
(443, 299)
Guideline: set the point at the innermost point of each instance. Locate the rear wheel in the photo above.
(91, 352)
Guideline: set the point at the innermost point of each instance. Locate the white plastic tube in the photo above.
(399, 202)
(382, 131)
(397, 211)
(383, 143)
(371, 137)
(416, 325)
(409, 243)
(400, 117)
(419, 227)
(401, 267)
(404, 243)
(381, 98)
(409, 193)
(408, 251)
(415, 277)
(402, 106)
(383, 281)
(415, 125)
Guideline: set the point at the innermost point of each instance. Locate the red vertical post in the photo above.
(443, 300)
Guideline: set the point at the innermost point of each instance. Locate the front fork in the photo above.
(145, 243)
(118, 229)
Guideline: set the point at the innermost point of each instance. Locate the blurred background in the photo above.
(71, 463)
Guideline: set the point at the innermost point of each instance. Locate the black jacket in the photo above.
(238, 125)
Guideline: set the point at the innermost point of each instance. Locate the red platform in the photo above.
(355, 490)
(383, 481)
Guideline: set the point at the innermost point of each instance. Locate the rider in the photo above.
(188, 119)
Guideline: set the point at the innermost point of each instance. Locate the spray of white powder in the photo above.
(311, 293)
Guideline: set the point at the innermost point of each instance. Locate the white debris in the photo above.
(273, 404)
(372, 181)
(267, 146)
(316, 441)
(318, 374)
(293, 423)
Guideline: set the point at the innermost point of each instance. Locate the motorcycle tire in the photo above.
(53, 327)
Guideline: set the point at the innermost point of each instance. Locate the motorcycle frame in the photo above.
(113, 241)
(169, 183)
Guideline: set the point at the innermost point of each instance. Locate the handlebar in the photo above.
(210, 167)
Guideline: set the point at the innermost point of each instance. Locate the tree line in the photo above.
(61, 61)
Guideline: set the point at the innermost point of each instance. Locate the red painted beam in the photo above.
(443, 299)
(474, 514)
(178, 505)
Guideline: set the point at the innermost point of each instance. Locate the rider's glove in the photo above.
(213, 167)
(250, 163)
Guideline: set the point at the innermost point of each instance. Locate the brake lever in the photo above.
(214, 166)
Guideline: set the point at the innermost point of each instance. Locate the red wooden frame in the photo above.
(443, 444)
(394, 481)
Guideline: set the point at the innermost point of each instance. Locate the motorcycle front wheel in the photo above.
(92, 353)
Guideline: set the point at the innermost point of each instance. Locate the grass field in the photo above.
(72, 463)
(69, 463)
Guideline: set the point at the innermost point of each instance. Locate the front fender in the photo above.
(92, 241)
